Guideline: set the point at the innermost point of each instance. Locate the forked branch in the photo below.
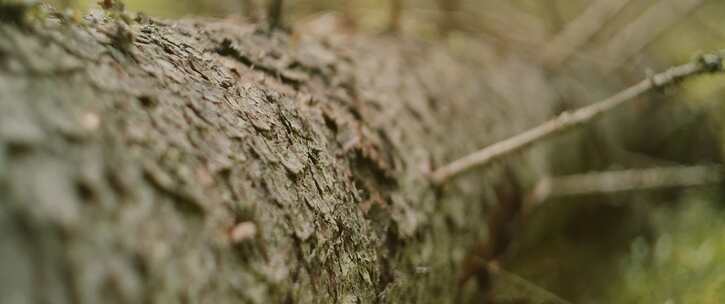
(709, 63)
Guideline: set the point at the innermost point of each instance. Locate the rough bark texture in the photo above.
(129, 153)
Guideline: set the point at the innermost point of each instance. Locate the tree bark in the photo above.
(210, 162)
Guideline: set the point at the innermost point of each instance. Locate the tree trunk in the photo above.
(211, 162)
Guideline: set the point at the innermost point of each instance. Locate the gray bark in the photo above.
(128, 154)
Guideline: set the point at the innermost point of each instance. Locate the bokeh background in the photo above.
(663, 246)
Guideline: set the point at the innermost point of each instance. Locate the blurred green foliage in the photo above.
(685, 263)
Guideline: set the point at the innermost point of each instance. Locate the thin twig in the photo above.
(709, 63)
(625, 180)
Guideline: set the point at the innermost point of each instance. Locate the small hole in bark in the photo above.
(18, 149)
(147, 101)
(85, 191)
(356, 113)
(330, 123)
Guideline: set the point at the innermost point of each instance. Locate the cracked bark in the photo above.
(125, 168)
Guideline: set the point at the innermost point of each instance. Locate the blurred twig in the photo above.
(274, 14)
(249, 9)
(580, 31)
(641, 32)
(448, 21)
(511, 25)
(396, 12)
(626, 180)
(709, 63)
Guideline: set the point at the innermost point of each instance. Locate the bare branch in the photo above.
(626, 180)
(709, 63)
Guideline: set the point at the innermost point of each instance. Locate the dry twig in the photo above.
(709, 63)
